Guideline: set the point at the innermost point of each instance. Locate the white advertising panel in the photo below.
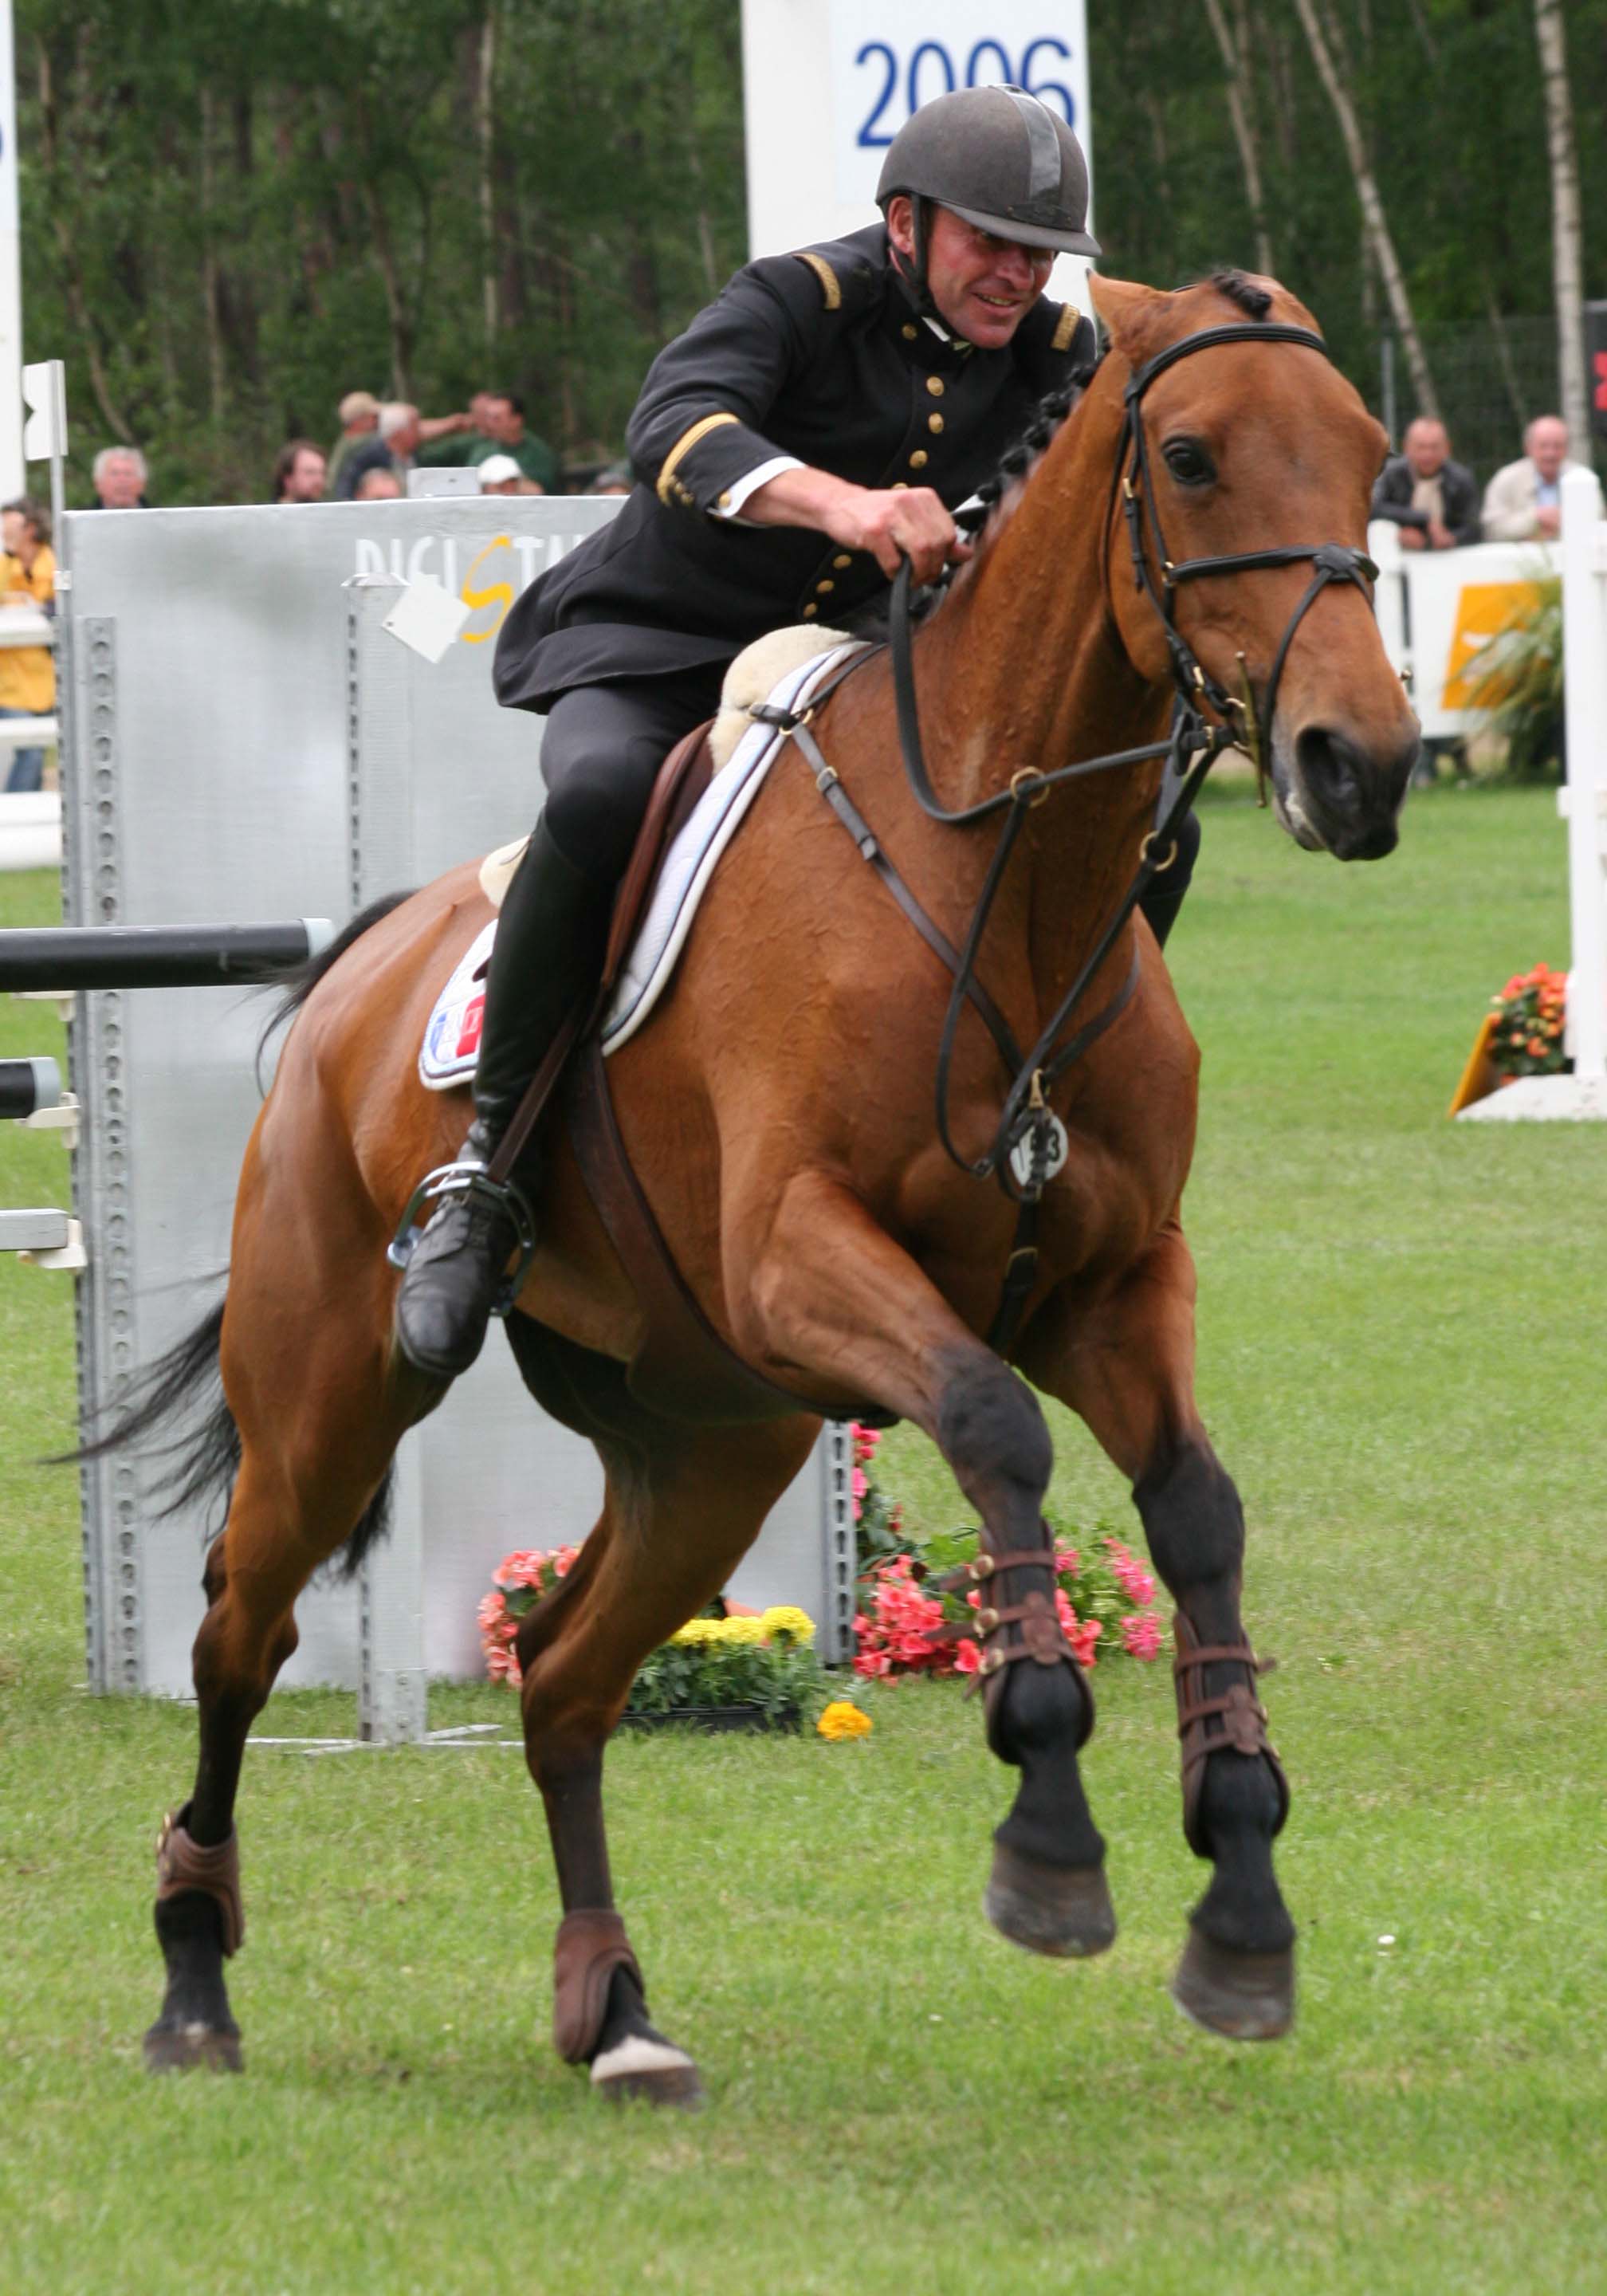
(826, 89)
(1439, 609)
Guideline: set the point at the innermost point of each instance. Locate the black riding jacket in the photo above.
(820, 356)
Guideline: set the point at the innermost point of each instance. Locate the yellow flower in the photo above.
(786, 1618)
(702, 1634)
(842, 1719)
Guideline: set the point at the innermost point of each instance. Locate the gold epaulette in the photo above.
(831, 286)
(1066, 328)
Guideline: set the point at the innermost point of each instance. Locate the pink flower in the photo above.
(1140, 1635)
(1129, 1574)
(968, 1657)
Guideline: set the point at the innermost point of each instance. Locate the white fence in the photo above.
(1582, 801)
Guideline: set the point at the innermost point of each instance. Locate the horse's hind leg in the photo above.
(305, 1480)
(678, 1517)
(1128, 1368)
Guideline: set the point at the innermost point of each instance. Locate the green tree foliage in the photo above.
(234, 213)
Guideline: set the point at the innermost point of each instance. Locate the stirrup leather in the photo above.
(469, 1180)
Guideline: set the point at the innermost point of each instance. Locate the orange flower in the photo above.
(843, 1719)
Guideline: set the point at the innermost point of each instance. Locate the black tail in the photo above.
(298, 986)
(203, 1459)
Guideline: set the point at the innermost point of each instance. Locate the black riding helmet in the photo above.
(1001, 160)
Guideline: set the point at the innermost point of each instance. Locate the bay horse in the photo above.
(778, 1112)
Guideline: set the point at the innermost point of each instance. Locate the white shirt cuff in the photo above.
(733, 497)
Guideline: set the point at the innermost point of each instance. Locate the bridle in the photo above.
(1332, 561)
(1030, 1144)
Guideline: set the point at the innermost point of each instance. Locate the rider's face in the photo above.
(983, 286)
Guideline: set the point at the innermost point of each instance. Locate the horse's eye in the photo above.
(1188, 461)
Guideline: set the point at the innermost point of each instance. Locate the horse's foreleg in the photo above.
(832, 1296)
(680, 1513)
(1128, 1368)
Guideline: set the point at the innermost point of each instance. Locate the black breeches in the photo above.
(600, 755)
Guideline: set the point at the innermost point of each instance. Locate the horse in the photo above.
(777, 1109)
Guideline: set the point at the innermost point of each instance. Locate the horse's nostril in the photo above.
(1328, 768)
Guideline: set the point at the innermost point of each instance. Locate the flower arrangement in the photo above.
(1525, 1037)
(907, 1625)
(519, 1581)
(764, 1662)
(767, 1663)
(878, 1521)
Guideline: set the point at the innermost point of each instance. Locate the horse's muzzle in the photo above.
(1342, 799)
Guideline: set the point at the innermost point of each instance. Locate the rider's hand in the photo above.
(897, 523)
(891, 522)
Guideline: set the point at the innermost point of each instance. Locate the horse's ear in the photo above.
(1125, 310)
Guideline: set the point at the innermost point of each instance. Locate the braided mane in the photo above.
(1246, 293)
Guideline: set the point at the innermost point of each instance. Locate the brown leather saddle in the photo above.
(684, 1369)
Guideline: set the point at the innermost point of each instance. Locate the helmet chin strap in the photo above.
(914, 276)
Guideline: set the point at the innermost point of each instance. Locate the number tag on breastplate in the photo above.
(1039, 1151)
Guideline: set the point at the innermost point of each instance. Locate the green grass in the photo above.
(1400, 1339)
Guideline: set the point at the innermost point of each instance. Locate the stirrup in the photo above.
(470, 1180)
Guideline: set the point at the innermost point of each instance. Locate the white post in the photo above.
(10, 272)
(1585, 655)
(1390, 595)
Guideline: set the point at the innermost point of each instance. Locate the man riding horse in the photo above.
(817, 424)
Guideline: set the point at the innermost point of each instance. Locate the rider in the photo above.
(822, 418)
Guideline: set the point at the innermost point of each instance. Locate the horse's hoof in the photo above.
(1245, 1996)
(179, 2048)
(652, 2071)
(1064, 1911)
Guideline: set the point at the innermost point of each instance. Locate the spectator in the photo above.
(119, 477)
(1434, 500)
(616, 480)
(504, 421)
(28, 674)
(459, 441)
(1523, 503)
(378, 483)
(393, 449)
(500, 474)
(497, 424)
(359, 412)
(298, 472)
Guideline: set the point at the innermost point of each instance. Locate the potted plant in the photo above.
(1522, 1035)
(1517, 676)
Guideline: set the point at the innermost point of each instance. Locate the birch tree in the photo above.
(1233, 61)
(1374, 220)
(1566, 249)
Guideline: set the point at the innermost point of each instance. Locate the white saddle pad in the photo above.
(451, 1046)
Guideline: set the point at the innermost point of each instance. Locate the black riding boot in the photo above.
(546, 956)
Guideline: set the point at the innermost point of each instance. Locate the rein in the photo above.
(1030, 1144)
